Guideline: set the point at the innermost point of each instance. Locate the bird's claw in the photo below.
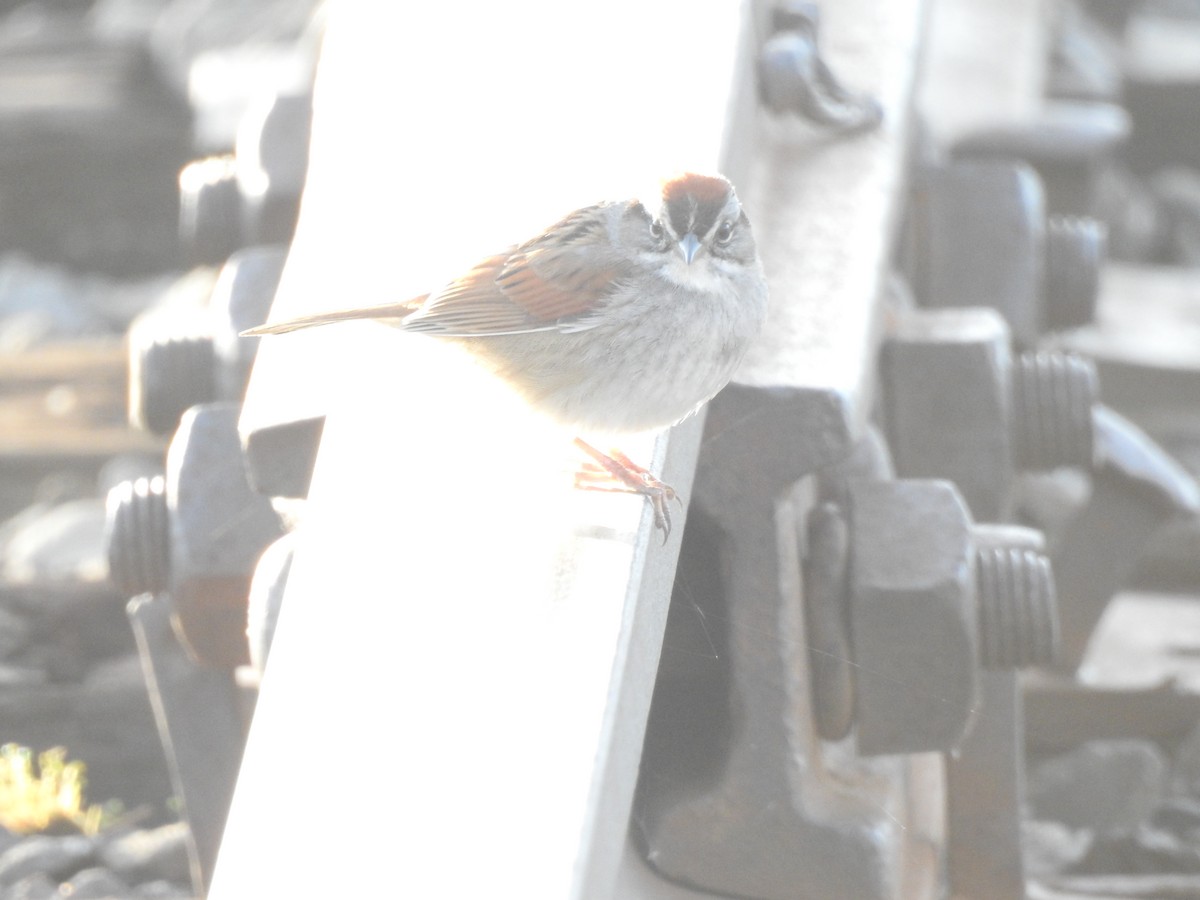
(662, 512)
(620, 474)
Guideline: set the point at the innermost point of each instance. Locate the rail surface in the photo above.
(469, 645)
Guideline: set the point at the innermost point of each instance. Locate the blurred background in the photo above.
(153, 154)
(141, 145)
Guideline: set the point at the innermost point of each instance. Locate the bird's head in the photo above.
(698, 226)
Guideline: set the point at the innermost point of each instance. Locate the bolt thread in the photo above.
(1075, 249)
(1018, 607)
(1053, 395)
(139, 552)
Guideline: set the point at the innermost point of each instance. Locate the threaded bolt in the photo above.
(139, 551)
(1075, 248)
(1018, 604)
(1053, 395)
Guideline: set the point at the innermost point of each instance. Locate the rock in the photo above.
(106, 721)
(95, 884)
(1185, 767)
(56, 857)
(63, 543)
(126, 19)
(15, 630)
(155, 853)
(33, 887)
(1051, 848)
(1105, 785)
(1120, 887)
(72, 628)
(21, 676)
(1145, 851)
(119, 738)
(40, 302)
(162, 890)
(1179, 815)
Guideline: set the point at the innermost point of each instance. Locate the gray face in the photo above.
(700, 216)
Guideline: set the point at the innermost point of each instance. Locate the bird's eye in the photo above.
(724, 233)
(656, 229)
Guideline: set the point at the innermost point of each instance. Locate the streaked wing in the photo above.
(554, 281)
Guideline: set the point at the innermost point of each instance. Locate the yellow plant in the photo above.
(50, 796)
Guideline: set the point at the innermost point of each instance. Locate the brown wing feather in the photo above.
(553, 280)
(550, 281)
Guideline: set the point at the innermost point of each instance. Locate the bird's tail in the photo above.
(388, 312)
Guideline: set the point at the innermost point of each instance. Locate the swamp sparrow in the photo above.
(616, 319)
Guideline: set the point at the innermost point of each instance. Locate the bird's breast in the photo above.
(656, 351)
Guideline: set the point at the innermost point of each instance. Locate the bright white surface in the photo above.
(457, 689)
(488, 122)
(827, 209)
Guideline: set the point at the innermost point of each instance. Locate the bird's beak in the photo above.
(689, 244)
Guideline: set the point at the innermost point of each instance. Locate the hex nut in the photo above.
(945, 377)
(219, 528)
(981, 227)
(960, 406)
(912, 615)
